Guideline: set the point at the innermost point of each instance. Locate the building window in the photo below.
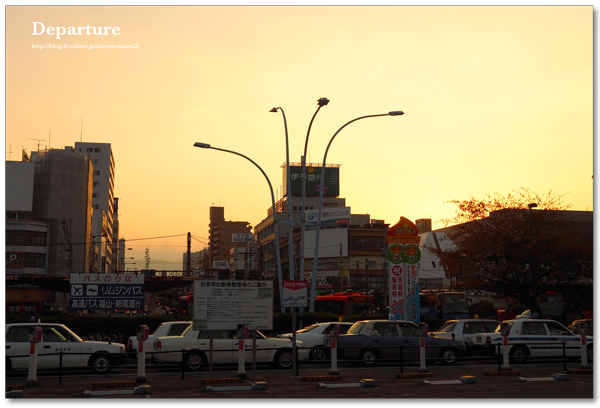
(25, 238)
(89, 150)
(96, 172)
(365, 243)
(95, 206)
(97, 150)
(95, 195)
(35, 260)
(96, 183)
(96, 161)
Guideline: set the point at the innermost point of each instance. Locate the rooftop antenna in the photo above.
(81, 137)
(38, 140)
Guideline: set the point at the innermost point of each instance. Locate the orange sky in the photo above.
(496, 98)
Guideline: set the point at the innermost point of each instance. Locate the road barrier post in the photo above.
(35, 337)
(584, 361)
(334, 369)
(141, 357)
(241, 360)
(422, 367)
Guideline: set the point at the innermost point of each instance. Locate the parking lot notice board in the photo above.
(106, 291)
(224, 304)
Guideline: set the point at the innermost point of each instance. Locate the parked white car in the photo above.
(166, 329)
(100, 356)
(316, 338)
(535, 338)
(225, 349)
(464, 329)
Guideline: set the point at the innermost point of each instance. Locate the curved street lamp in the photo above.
(321, 102)
(287, 160)
(278, 256)
(316, 256)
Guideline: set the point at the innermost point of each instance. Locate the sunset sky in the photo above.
(495, 99)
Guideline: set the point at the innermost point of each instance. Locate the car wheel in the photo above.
(195, 360)
(448, 356)
(590, 353)
(283, 358)
(100, 363)
(519, 354)
(319, 354)
(368, 357)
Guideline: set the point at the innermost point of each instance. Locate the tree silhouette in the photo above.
(520, 245)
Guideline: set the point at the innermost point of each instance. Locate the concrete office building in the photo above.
(221, 234)
(49, 223)
(103, 199)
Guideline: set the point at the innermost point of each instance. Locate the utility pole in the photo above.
(367, 273)
(189, 253)
(341, 271)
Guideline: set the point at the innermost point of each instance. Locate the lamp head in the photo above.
(323, 101)
(203, 145)
(273, 110)
(396, 113)
(532, 206)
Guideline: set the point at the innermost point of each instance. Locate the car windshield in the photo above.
(307, 329)
(510, 324)
(356, 328)
(447, 327)
(66, 332)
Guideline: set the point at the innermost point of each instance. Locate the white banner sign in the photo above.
(223, 305)
(295, 293)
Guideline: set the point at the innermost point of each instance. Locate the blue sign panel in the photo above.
(90, 291)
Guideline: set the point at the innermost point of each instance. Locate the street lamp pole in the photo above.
(531, 206)
(316, 257)
(321, 102)
(289, 194)
(275, 222)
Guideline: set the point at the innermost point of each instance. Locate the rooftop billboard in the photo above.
(313, 180)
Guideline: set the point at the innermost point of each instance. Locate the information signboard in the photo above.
(224, 304)
(106, 291)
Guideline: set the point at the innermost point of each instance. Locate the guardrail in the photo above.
(476, 352)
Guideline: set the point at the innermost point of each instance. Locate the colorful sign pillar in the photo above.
(404, 255)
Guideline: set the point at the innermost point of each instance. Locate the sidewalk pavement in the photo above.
(444, 382)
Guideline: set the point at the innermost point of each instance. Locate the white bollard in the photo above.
(141, 378)
(334, 369)
(505, 349)
(241, 360)
(584, 361)
(422, 350)
(33, 364)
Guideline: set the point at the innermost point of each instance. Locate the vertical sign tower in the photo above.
(404, 255)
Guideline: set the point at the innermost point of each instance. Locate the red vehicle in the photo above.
(186, 304)
(344, 303)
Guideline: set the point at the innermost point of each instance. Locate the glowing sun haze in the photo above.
(495, 99)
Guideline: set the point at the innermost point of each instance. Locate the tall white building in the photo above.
(103, 199)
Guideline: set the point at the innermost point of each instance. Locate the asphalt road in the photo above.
(282, 384)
